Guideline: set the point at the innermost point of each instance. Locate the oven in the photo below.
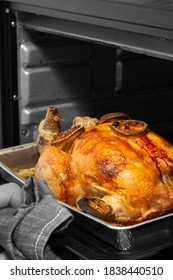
(86, 58)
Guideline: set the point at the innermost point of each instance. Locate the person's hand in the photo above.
(10, 195)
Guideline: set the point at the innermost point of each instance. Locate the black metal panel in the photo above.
(0, 73)
(9, 104)
(86, 246)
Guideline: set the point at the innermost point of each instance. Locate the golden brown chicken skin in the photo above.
(120, 178)
(121, 173)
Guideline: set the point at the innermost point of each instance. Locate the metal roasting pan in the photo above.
(154, 233)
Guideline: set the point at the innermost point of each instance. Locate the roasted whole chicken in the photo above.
(114, 168)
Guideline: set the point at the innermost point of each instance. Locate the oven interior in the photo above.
(83, 77)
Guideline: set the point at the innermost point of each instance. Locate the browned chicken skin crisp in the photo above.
(117, 170)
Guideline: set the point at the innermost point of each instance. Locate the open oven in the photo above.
(86, 58)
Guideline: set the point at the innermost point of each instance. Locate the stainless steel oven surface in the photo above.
(86, 58)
